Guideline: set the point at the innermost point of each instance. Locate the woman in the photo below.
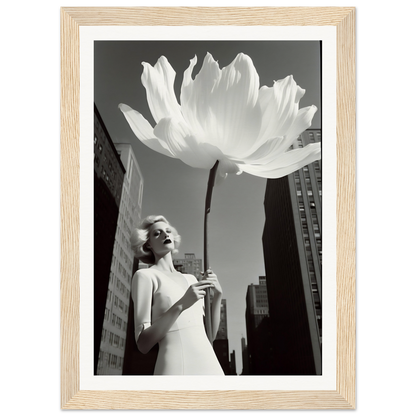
(169, 306)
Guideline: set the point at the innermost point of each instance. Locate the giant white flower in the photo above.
(224, 116)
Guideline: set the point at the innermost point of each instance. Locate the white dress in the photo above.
(185, 350)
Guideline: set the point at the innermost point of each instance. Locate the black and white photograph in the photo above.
(208, 207)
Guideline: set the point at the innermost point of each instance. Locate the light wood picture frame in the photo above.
(344, 396)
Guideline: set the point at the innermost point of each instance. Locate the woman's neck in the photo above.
(165, 263)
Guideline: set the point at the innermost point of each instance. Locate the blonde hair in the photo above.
(140, 236)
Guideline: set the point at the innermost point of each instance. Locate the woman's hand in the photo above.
(211, 277)
(195, 292)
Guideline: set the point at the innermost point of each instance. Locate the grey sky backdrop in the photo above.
(176, 190)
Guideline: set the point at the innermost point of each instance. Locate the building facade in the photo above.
(189, 265)
(257, 304)
(293, 265)
(222, 328)
(220, 344)
(233, 366)
(244, 357)
(257, 311)
(114, 328)
(108, 186)
(136, 363)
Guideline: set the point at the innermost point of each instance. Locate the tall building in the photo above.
(244, 353)
(108, 185)
(114, 328)
(257, 304)
(257, 311)
(222, 329)
(189, 265)
(292, 246)
(233, 366)
(136, 363)
(220, 344)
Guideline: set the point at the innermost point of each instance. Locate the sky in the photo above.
(176, 190)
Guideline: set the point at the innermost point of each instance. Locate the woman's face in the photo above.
(161, 238)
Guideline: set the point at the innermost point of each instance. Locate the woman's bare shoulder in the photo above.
(144, 274)
(145, 277)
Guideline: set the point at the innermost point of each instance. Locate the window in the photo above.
(100, 359)
(113, 361)
(119, 321)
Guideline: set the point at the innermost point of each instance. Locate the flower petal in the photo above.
(287, 162)
(143, 130)
(226, 166)
(279, 105)
(302, 122)
(158, 81)
(182, 144)
(271, 149)
(234, 115)
(263, 154)
(195, 95)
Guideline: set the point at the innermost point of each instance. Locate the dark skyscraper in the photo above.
(292, 247)
(244, 356)
(108, 182)
(258, 342)
(220, 343)
(113, 337)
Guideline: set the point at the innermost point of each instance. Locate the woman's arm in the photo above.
(158, 329)
(152, 334)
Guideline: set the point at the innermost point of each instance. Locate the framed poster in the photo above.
(102, 50)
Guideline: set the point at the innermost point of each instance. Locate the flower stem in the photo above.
(207, 300)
